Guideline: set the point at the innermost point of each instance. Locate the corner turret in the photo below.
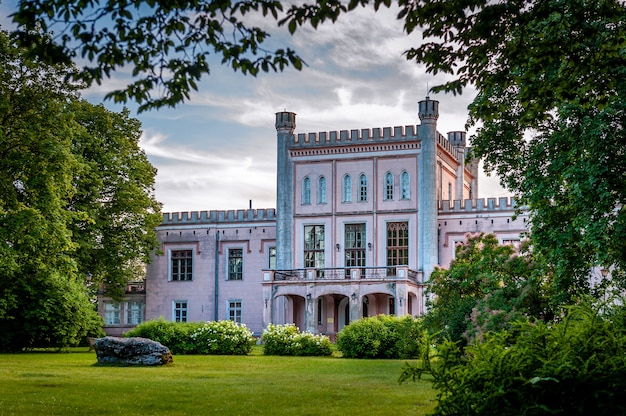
(285, 122)
(428, 111)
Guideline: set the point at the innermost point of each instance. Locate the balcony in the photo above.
(344, 273)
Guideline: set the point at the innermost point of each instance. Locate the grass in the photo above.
(70, 383)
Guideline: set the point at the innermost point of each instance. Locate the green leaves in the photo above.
(166, 45)
(486, 287)
(572, 367)
(76, 198)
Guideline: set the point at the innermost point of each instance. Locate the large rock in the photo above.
(131, 351)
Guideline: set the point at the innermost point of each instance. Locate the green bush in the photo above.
(222, 338)
(382, 336)
(174, 335)
(576, 366)
(287, 340)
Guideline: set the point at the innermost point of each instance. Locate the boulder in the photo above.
(131, 351)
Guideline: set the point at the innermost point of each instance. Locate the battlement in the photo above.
(444, 143)
(478, 205)
(219, 217)
(356, 136)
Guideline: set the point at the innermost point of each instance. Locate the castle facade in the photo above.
(362, 218)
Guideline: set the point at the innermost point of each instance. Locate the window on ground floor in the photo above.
(112, 313)
(134, 312)
(235, 311)
(179, 312)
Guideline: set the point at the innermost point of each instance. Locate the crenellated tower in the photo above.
(285, 126)
(427, 187)
(458, 140)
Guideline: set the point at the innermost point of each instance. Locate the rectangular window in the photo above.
(314, 246)
(355, 245)
(397, 246)
(272, 258)
(181, 261)
(235, 311)
(180, 311)
(112, 313)
(235, 264)
(134, 312)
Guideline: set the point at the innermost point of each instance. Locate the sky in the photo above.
(217, 150)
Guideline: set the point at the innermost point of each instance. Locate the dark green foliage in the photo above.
(550, 110)
(382, 336)
(287, 340)
(576, 366)
(76, 200)
(168, 45)
(216, 338)
(174, 335)
(486, 287)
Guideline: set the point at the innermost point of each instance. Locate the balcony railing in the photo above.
(345, 273)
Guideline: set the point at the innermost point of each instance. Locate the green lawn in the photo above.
(41, 383)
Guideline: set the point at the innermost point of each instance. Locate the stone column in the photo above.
(427, 187)
(285, 126)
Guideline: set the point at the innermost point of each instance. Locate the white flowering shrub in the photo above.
(287, 340)
(222, 338)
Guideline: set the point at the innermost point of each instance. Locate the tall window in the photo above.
(347, 188)
(306, 190)
(134, 312)
(388, 186)
(355, 245)
(235, 264)
(112, 313)
(272, 258)
(314, 246)
(405, 185)
(179, 310)
(397, 245)
(321, 190)
(362, 187)
(449, 191)
(235, 311)
(181, 261)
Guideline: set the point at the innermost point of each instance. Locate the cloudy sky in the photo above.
(218, 150)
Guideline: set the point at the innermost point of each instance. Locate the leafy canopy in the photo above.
(166, 44)
(487, 287)
(550, 111)
(76, 200)
(549, 76)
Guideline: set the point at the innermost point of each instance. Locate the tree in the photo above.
(167, 44)
(487, 287)
(65, 188)
(549, 75)
(550, 111)
(575, 366)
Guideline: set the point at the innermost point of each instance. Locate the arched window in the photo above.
(347, 188)
(362, 187)
(306, 190)
(321, 190)
(405, 185)
(388, 186)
